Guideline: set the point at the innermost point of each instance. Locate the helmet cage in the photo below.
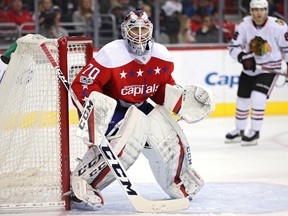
(137, 31)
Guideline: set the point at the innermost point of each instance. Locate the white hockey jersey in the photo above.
(273, 31)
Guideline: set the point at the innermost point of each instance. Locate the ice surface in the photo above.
(239, 181)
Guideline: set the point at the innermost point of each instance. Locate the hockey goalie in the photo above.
(127, 72)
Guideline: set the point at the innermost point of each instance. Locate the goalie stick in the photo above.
(137, 201)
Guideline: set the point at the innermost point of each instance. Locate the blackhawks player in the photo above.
(258, 40)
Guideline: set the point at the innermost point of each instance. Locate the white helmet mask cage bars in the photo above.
(137, 31)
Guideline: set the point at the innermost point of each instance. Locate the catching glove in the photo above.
(247, 60)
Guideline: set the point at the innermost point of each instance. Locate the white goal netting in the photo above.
(31, 171)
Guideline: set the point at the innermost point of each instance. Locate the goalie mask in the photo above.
(137, 32)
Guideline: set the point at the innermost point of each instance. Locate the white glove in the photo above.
(191, 103)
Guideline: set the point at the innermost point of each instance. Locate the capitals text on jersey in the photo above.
(139, 89)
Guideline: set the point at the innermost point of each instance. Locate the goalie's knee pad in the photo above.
(169, 156)
(128, 142)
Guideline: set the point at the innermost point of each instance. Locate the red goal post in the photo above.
(38, 122)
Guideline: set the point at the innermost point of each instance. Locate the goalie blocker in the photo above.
(168, 151)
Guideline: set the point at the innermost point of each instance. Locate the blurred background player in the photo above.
(130, 71)
(264, 39)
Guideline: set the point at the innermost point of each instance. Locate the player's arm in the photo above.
(159, 96)
(245, 57)
(91, 78)
(190, 103)
(283, 44)
(235, 46)
(283, 40)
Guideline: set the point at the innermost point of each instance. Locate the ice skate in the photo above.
(251, 139)
(234, 136)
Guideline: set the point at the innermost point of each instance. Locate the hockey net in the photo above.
(38, 122)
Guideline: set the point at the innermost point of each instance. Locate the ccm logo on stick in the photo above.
(118, 170)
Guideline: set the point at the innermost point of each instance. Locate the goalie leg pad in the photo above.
(169, 156)
(127, 143)
(88, 197)
(104, 108)
(90, 165)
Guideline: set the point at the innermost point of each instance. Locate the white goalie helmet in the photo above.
(137, 31)
(258, 4)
